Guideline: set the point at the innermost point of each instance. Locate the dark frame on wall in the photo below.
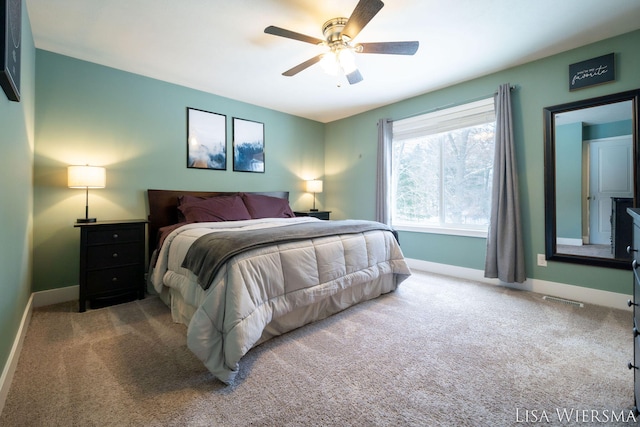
(10, 47)
(248, 146)
(592, 72)
(206, 140)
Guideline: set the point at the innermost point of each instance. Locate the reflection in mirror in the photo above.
(594, 179)
(590, 149)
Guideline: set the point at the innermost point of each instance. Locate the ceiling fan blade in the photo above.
(363, 13)
(354, 77)
(277, 31)
(391, 48)
(300, 67)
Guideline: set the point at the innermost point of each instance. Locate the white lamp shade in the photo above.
(314, 186)
(86, 177)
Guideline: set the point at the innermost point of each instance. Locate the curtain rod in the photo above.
(454, 104)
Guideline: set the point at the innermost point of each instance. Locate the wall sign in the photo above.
(10, 36)
(592, 72)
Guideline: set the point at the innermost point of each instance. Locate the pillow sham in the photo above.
(185, 199)
(260, 206)
(213, 209)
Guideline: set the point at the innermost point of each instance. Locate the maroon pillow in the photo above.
(213, 209)
(260, 206)
(186, 199)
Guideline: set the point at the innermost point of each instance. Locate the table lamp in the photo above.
(314, 186)
(86, 177)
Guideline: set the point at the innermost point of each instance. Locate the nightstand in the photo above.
(316, 214)
(112, 257)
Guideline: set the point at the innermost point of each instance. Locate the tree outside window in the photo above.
(443, 180)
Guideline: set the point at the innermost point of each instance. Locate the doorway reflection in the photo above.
(594, 180)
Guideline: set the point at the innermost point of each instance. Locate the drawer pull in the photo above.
(631, 366)
(115, 255)
(630, 303)
(115, 235)
(634, 264)
(630, 249)
(114, 279)
(635, 332)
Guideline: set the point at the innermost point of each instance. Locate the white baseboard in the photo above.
(568, 241)
(14, 355)
(55, 296)
(560, 290)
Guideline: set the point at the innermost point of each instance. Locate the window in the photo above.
(442, 165)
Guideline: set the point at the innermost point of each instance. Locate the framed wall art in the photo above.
(592, 72)
(248, 145)
(10, 47)
(206, 140)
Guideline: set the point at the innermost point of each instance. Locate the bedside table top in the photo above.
(311, 212)
(109, 222)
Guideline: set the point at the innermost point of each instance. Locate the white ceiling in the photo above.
(219, 46)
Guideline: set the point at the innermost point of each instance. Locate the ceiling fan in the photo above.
(339, 34)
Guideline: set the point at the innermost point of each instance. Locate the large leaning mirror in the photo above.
(591, 161)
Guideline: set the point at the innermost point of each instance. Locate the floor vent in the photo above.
(563, 301)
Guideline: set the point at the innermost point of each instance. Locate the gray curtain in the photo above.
(383, 178)
(505, 255)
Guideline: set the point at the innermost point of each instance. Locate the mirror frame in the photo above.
(551, 253)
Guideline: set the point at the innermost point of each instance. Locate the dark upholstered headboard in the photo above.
(163, 207)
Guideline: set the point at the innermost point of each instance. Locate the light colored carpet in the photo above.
(437, 352)
(599, 251)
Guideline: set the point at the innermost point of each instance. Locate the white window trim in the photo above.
(414, 228)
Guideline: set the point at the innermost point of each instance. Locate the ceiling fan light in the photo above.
(347, 61)
(329, 63)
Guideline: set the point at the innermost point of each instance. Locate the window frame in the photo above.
(442, 120)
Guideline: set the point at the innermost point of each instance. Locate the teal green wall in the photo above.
(136, 127)
(16, 171)
(608, 130)
(569, 181)
(350, 152)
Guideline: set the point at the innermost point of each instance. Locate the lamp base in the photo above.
(313, 210)
(85, 220)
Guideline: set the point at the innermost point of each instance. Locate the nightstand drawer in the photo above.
(635, 243)
(113, 255)
(115, 235)
(113, 279)
(636, 372)
(636, 297)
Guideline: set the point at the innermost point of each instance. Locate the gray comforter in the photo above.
(272, 288)
(207, 254)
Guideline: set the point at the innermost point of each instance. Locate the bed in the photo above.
(239, 268)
